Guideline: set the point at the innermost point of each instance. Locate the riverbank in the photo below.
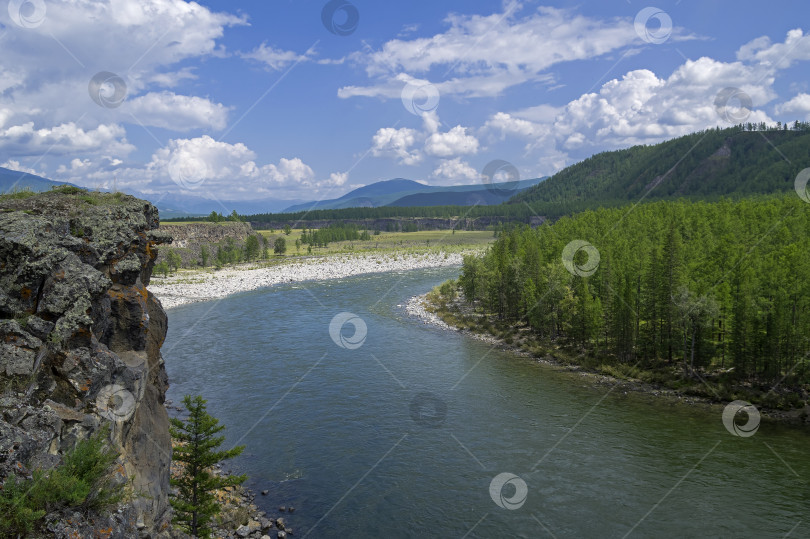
(204, 285)
(239, 516)
(454, 314)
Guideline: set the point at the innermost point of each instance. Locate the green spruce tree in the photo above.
(195, 503)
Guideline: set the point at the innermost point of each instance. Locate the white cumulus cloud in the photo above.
(45, 73)
(487, 54)
(396, 143)
(176, 112)
(799, 107)
(452, 143)
(28, 140)
(456, 171)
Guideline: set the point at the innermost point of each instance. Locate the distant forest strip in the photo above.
(388, 212)
(686, 286)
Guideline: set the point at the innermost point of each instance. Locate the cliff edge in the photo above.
(80, 339)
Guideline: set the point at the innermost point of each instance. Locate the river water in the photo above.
(408, 433)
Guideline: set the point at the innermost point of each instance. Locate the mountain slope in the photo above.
(402, 192)
(368, 196)
(717, 162)
(16, 180)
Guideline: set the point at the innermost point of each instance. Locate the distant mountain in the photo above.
(406, 193)
(16, 180)
(385, 187)
(169, 204)
(713, 163)
(369, 196)
(177, 205)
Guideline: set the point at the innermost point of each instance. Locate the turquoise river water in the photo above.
(408, 433)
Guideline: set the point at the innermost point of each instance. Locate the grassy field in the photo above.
(412, 242)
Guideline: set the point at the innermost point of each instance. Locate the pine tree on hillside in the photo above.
(195, 502)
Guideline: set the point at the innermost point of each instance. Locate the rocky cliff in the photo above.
(80, 339)
(190, 238)
(207, 233)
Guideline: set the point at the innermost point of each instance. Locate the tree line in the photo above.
(321, 237)
(704, 286)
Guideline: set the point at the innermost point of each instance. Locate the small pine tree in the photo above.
(195, 502)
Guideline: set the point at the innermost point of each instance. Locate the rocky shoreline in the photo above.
(239, 517)
(191, 287)
(417, 307)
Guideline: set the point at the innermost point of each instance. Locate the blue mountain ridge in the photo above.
(402, 192)
(394, 192)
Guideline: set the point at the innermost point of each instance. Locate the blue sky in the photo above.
(256, 100)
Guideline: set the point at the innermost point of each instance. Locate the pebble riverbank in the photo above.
(416, 307)
(191, 287)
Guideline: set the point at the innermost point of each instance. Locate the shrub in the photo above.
(68, 189)
(82, 481)
(17, 193)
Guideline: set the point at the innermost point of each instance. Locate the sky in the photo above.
(308, 99)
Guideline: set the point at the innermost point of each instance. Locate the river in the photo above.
(410, 432)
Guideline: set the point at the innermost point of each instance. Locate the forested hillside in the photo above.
(685, 286)
(742, 160)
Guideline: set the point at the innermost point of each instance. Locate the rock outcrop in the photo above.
(190, 238)
(80, 339)
(190, 234)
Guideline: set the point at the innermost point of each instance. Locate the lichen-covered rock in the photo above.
(80, 339)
